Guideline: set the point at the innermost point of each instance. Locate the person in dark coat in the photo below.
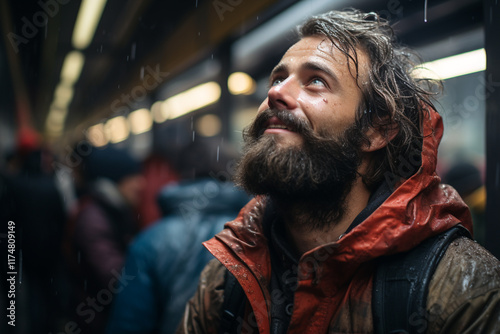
(100, 232)
(167, 258)
(33, 207)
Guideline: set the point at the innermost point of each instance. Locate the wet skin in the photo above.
(313, 82)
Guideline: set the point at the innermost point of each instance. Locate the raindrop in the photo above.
(193, 135)
(127, 58)
(257, 18)
(217, 153)
(425, 11)
(196, 4)
(132, 53)
(100, 49)
(142, 72)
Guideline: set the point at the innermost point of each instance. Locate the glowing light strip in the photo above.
(190, 100)
(88, 18)
(454, 66)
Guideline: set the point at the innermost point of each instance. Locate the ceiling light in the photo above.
(140, 121)
(95, 134)
(191, 99)
(72, 67)
(54, 124)
(117, 129)
(157, 112)
(63, 96)
(454, 66)
(241, 83)
(208, 125)
(88, 18)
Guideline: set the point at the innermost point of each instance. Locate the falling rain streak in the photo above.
(132, 52)
(425, 11)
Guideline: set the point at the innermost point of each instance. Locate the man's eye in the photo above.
(276, 82)
(317, 81)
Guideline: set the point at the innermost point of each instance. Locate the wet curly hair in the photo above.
(393, 99)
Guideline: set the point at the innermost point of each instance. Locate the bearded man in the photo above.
(341, 159)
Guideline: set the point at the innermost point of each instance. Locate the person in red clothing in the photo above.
(341, 159)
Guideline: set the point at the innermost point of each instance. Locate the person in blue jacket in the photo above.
(164, 262)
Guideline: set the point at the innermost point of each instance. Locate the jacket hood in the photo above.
(207, 194)
(418, 208)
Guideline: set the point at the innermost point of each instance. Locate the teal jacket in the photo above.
(167, 258)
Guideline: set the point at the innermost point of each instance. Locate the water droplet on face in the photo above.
(325, 100)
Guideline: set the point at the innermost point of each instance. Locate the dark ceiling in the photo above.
(171, 34)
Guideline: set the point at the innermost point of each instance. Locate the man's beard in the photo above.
(313, 178)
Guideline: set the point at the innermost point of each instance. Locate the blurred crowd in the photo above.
(107, 242)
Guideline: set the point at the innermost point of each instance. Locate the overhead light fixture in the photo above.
(140, 121)
(208, 125)
(117, 129)
(63, 96)
(241, 83)
(190, 100)
(95, 134)
(55, 121)
(88, 18)
(157, 112)
(72, 67)
(454, 66)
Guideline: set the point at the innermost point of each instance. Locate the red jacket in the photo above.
(335, 280)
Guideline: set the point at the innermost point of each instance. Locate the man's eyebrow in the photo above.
(312, 66)
(279, 69)
(309, 66)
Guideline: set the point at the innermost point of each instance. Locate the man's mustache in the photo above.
(292, 122)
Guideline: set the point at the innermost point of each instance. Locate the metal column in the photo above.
(492, 45)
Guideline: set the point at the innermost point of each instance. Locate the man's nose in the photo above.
(284, 95)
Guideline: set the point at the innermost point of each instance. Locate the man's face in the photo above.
(303, 143)
(313, 82)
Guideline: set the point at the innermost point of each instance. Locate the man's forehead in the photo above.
(322, 48)
(313, 45)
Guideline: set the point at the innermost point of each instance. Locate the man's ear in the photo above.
(379, 137)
